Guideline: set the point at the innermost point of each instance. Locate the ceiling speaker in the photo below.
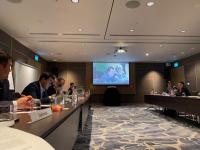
(132, 4)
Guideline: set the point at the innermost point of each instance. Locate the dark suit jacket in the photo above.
(4, 91)
(70, 91)
(51, 90)
(184, 91)
(34, 90)
(5, 98)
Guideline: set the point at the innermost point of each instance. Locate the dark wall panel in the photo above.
(190, 75)
(198, 75)
(192, 71)
(149, 76)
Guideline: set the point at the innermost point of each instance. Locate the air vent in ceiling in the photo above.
(15, 1)
(122, 35)
(43, 33)
(81, 34)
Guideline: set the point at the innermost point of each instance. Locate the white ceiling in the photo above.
(51, 29)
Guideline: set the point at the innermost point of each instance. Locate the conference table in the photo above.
(187, 104)
(61, 128)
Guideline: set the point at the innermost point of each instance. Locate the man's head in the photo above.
(119, 69)
(44, 80)
(60, 82)
(169, 84)
(5, 64)
(110, 71)
(72, 85)
(52, 79)
(181, 85)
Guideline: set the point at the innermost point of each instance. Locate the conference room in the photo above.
(99, 74)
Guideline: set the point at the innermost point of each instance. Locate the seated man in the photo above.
(38, 89)
(57, 87)
(52, 86)
(71, 88)
(5, 99)
(182, 90)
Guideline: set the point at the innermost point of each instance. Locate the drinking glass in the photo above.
(6, 118)
(36, 104)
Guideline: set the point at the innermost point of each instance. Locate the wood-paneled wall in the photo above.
(19, 52)
(149, 76)
(177, 75)
(143, 78)
(71, 72)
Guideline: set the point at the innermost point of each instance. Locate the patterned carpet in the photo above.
(135, 128)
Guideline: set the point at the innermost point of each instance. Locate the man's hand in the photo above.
(25, 102)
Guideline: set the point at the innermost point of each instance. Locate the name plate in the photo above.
(40, 114)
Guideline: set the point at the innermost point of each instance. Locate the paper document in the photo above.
(14, 139)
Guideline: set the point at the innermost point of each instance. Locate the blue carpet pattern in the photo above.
(135, 128)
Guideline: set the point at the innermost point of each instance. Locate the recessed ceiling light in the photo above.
(174, 57)
(147, 54)
(183, 31)
(75, 1)
(120, 50)
(149, 4)
(182, 53)
(131, 30)
(80, 29)
(54, 60)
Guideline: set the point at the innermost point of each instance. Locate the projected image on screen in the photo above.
(110, 73)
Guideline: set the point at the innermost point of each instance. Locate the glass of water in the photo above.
(36, 104)
(6, 117)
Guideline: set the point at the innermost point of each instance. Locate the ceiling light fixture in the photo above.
(121, 50)
(147, 54)
(183, 31)
(80, 29)
(75, 1)
(131, 30)
(149, 4)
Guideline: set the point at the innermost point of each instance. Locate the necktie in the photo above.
(43, 94)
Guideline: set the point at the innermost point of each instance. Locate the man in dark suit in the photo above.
(182, 90)
(5, 99)
(38, 89)
(52, 86)
(71, 88)
(4, 90)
